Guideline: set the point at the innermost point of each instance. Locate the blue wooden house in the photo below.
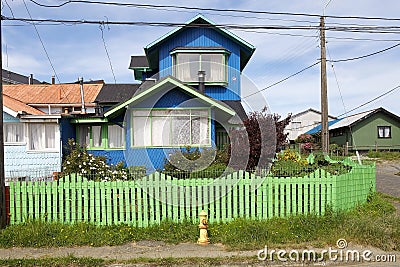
(189, 96)
(37, 125)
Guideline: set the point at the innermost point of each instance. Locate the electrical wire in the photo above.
(284, 79)
(372, 100)
(108, 55)
(368, 55)
(210, 9)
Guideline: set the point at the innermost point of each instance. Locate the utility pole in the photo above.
(3, 210)
(324, 93)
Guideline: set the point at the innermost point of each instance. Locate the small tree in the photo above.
(255, 144)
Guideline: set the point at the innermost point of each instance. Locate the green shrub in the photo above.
(80, 161)
(204, 163)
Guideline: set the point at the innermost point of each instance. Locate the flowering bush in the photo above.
(304, 138)
(95, 167)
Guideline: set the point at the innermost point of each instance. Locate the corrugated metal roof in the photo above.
(19, 106)
(349, 120)
(52, 93)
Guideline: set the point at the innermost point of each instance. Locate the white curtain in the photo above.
(187, 66)
(84, 135)
(50, 135)
(141, 131)
(116, 136)
(13, 132)
(96, 136)
(42, 136)
(213, 65)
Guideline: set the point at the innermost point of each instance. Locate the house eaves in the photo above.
(169, 83)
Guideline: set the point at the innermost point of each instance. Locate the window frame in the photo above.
(104, 136)
(199, 52)
(149, 112)
(56, 147)
(23, 127)
(384, 128)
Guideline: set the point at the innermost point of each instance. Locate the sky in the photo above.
(103, 52)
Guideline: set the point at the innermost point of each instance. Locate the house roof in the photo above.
(352, 120)
(116, 93)
(199, 20)
(139, 62)
(16, 107)
(15, 78)
(52, 93)
(310, 110)
(166, 84)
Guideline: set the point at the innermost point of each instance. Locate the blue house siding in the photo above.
(68, 131)
(8, 118)
(205, 37)
(17, 160)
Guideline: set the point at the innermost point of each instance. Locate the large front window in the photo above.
(171, 127)
(187, 65)
(42, 136)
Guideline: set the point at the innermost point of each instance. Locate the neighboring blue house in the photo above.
(189, 96)
(37, 125)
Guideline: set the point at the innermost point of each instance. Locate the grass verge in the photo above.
(373, 223)
(77, 261)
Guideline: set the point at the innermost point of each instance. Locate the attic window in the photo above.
(187, 64)
(384, 132)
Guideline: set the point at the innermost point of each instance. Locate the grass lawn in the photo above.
(374, 223)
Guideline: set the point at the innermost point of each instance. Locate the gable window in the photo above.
(384, 132)
(187, 64)
(171, 127)
(101, 136)
(13, 133)
(42, 136)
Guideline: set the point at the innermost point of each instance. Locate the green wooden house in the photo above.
(376, 129)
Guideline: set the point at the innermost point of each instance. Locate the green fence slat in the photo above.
(224, 198)
(36, 194)
(103, 204)
(48, 199)
(126, 210)
(157, 197)
(109, 198)
(217, 199)
(79, 201)
(12, 210)
(306, 192)
(114, 199)
(282, 198)
(139, 197)
(193, 204)
(19, 204)
(98, 200)
(263, 201)
(55, 201)
(235, 196)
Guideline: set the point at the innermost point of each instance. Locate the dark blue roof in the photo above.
(317, 128)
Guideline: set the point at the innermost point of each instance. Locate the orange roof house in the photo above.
(41, 99)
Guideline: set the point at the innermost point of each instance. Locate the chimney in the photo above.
(30, 79)
(202, 77)
(53, 79)
(83, 110)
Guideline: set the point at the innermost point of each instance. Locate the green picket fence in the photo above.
(159, 197)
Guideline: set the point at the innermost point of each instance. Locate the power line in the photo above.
(368, 55)
(284, 79)
(210, 9)
(108, 56)
(379, 29)
(372, 100)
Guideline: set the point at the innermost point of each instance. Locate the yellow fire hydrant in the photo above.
(203, 239)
